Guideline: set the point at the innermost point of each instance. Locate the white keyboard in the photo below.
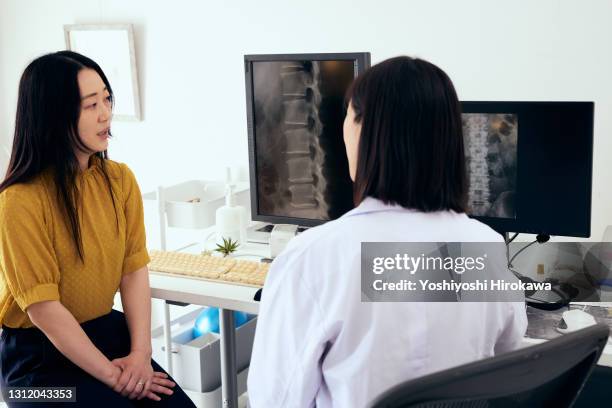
(209, 267)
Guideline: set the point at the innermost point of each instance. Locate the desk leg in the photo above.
(168, 338)
(229, 380)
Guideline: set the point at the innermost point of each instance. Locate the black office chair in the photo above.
(550, 374)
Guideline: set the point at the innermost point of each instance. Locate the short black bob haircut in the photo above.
(411, 149)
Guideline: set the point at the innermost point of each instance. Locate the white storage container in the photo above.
(196, 362)
(192, 204)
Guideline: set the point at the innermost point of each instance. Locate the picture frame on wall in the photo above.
(112, 47)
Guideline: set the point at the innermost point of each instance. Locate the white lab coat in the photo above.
(317, 344)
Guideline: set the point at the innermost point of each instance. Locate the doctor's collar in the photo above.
(371, 204)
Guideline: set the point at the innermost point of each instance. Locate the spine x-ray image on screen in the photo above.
(490, 141)
(301, 162)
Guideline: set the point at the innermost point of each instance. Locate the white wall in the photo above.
(4, 104)
(191, 73)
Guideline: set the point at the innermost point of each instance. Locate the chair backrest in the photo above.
(550, 374)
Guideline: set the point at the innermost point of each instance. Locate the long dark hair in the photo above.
(411, 146)
(46, 135)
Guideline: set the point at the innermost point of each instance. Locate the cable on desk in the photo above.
(185, 247)
(241, 254)
(565, 296)
(208, 236)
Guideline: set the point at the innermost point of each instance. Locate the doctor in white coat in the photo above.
(316, 343)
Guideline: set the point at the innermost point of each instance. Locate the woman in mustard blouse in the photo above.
(71, 235)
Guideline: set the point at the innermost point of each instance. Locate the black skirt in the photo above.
(29, 359)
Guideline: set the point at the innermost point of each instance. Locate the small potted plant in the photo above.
(228, 247)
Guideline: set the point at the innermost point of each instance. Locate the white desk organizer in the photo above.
(182, 210)
(197, 361)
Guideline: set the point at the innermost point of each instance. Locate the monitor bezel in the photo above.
(362, 60)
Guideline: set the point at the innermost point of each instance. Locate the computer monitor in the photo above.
(529, 164)
(295, 112)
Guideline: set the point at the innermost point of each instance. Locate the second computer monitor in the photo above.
(529, 165)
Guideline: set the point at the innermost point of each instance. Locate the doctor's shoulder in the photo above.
(310, 244)
(314, 236)
(483, 233)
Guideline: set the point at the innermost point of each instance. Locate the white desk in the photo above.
(606, 355)
(199, 292)
(225, 296)
(604, 360)
(229, 297)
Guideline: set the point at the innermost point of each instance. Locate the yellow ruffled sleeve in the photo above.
(28, 264)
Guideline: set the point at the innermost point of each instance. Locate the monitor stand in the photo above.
(260, 233)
